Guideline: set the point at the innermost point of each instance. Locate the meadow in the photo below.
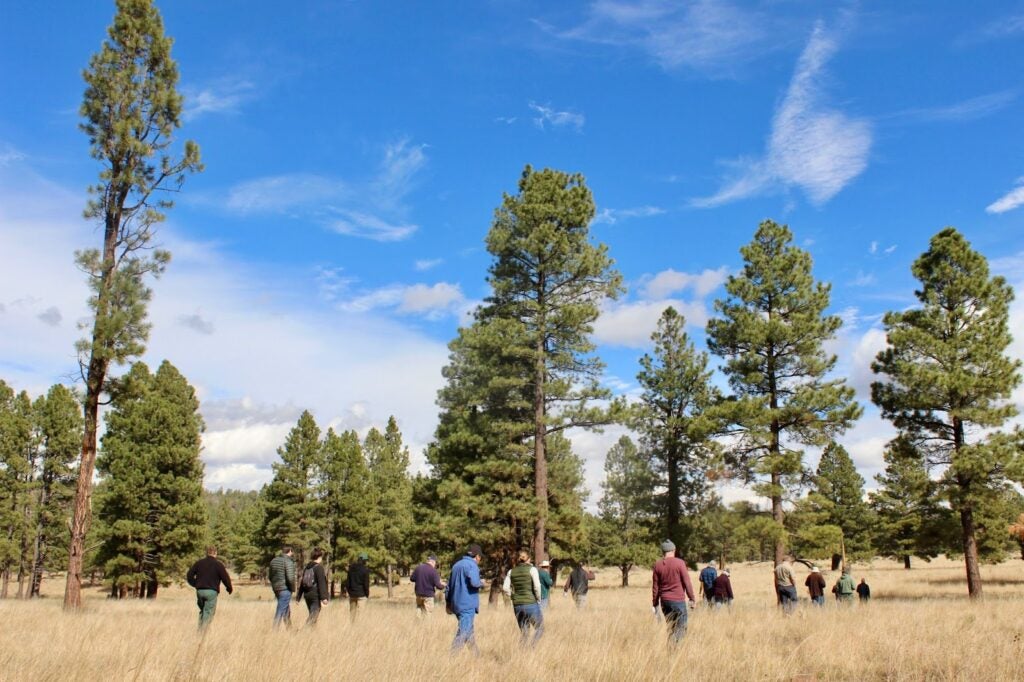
(919, 625)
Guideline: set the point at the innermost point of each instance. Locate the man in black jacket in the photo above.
(314, 586)
(206, 576)
(357, 585)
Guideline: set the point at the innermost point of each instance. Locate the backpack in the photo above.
(308, 579)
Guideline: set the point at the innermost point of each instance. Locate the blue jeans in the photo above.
(528, 615)
(819, 600)
(464, 635)
(675, 617)
(284, 608)
(544, 603)
(787, 597)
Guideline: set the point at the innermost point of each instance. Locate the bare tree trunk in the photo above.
(4, 582)
(906, 561)
(387, 573)
(82, 512)
(971, 553)
(625, 574)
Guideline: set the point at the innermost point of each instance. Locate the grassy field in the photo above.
(918, 626)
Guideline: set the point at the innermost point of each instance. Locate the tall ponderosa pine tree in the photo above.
(839, 483)
(294, 513)
(771, 332)
(627, 509)
(948, 380)
(131, 109)
(18, 454)
(58, 417)
(676, 418)
(152, 507)
(348, 501)
(390, 498)
(549, 280)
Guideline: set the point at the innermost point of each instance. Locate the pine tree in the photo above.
(838, 482)
(294, 514)
(347, 496)
(18, 453)
(771, 332)
(627, 509)
(130, 109)
(391, 498)
(1017, 533)
(152, 509)
(548, 280)
(947, 380)
(59, 422)
(676, 419)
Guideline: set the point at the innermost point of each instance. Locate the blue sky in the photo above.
(356, 151)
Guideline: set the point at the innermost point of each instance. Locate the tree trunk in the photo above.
(540, 465)
(906, 561)
(4, 581)
(673, 511)
(625, 574)
(151, 588)
(83, 498)
(494, 594)
(970, 552)
(387, 573)
(779, 518)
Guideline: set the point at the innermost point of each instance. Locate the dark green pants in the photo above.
(207, 602)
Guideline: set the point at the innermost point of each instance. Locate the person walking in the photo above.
(357, 585)
(206, 576)
(313, 587)
(722, 589)
(863, 591)
(546, 582)
(578, 583)
(816, 586)
(522, 585)
(462, 597)
(671, 589)
(426, 581)
(282, 582)
(845, 587)
(785, 585)
(707, 582)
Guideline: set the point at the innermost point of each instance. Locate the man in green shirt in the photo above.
(546, 582)
(522, 585)
(845, 587)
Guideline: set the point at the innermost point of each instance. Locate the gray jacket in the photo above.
(282, 574)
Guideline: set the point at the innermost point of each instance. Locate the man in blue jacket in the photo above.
(462, 597)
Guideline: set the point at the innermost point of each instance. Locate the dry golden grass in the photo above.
(919, 626)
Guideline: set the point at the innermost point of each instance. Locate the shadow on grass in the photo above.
(999, 582)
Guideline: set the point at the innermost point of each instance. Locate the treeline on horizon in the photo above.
(349, 494)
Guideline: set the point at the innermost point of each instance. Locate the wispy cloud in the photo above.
(373, 209)
(548, 116)
(968, 110)
(610, 216)
(196, 322)
(224, 96)
(425, 264)
(863, 279)
(432, 301)
(9, 155)
(813, 147)
(710, 36)
(1010, 200)
(999, 29)
(51, 316)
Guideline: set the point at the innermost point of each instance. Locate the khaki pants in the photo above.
(355, 605)
(424, 605)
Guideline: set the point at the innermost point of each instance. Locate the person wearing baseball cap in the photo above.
(670, 586)
(546, 583)
(462, 597)
(427, 581)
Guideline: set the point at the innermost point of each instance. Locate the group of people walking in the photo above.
(528, 587)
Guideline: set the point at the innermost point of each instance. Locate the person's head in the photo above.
(286, 550)
(432, 560)
(317, 555)
(668, 548)
(713, 564)
(846, 571)
(211, 550)
(862, 582)
(545, 564)
(524, 557)
(815, 569)
(474, 551)
(363, 557)
(725, 572)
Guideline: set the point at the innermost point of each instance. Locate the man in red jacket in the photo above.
(671, 588)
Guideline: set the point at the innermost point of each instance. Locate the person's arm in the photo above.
(366, 581)
(438, 583)
(224, 577)
(415, 572)
(192, 574)
(535, 576)
(474, 576)
(568, 582)
(321, 582)
(728, 587)
(687, 585)
(655, 587)
(506, 586)
(289, 574)
(590, 574)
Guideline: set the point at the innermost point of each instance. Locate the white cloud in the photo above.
(221, 97)
(433, 301)
(631, 324)
(427, 264)
(863, 279)
(709, 36)
(374, 208)
(670, 281)
(818, 149)
(610, 216)
(420, 298)
(1009, 201)
(967, 110)
(548, 116)
(9, 155)
(873, 248)
(889, 249)
(1004, 27)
